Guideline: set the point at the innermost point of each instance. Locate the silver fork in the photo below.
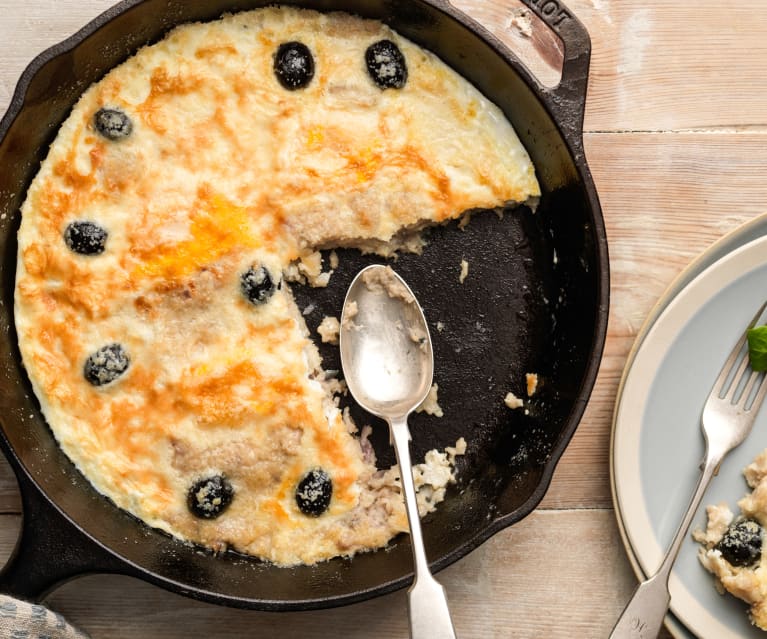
(728, 416)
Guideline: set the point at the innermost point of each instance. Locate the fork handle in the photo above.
(643, 616)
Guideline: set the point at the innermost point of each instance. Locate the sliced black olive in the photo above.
(257, 285)
(313, 492)
(85, 238)
(106, 364)
(386, 65)
(741, 544)
(113, 124)
(294, 65)
(209, 497)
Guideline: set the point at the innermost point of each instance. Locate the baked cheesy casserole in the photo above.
(182, 195)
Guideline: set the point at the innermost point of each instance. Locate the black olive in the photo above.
(741, 544)
(106, 364)
(85, 238)
(313, 492)
(386, 65)
(209, 497)
(294, 65)
(257, 285)
(113, 124)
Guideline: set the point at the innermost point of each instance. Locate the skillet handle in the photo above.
(567, 100)
(50, 549)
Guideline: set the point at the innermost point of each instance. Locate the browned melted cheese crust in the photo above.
(226, 169)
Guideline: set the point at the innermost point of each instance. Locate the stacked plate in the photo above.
(657, 444)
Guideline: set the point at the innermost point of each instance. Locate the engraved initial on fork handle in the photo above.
(643, 617)
(728, 416)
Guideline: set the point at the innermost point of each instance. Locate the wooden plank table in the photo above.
(675, 134)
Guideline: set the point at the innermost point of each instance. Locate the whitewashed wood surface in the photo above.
(676, 137)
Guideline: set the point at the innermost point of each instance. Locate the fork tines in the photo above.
(733, 387)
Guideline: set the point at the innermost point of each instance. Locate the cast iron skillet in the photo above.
(536, 300)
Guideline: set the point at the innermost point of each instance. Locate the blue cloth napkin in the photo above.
(23, 620)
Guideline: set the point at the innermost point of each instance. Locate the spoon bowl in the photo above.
(386, 350)
(388, 364)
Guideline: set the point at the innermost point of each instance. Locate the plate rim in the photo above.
(725, 250)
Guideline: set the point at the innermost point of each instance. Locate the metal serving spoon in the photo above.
(388, 365)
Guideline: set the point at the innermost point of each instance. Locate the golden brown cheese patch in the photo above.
(225, 170)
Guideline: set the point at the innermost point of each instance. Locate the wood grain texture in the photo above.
(656, 65)
(509, 587)
(660, 65)
(666, 198)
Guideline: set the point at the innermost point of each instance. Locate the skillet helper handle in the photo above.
(50, 550)
(567, 100)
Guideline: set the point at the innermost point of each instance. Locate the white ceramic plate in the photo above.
(746, 232)
(657, 442)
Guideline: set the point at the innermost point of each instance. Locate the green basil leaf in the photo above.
(757, 347)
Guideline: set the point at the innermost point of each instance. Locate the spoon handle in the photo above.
(427, 603)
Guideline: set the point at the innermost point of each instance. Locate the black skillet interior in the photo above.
(535, 300)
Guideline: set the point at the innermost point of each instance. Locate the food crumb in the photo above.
(329, 329)
(440, 326)
(322, 280)
(432, 477)
(532, 383)
(522, 22)
(512, 401)
(419, 337)
(430, 405)
(732, 546)
(309, 269)
(464, 271)
(719, 518)
(386, 281)
(347, 319)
